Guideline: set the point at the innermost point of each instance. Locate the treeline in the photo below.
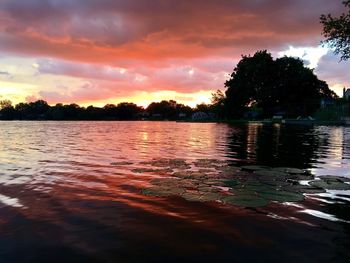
(283, 85)
(259, 87)
(41, 110)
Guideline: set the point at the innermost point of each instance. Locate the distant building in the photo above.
(325, 103)
(182, 115)
(200, 116)
(251, 114)
(157, 116)
(142, 115)
(279, 115)
(346, 94)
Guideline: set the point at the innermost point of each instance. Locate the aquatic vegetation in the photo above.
(191, 175)
(162, 192)
(122, 163)
(282, 196)
(179, 164)
(229, 172)
(208, 189)
(330, 184)
(335, 178)
(231, 183)
(275, 193)
(214, 182)
(143, 170)
(209, 163)
(245, 200)
(150, 170)
(253, 168)
(269, 172)
(201, 196)
(175, 183)
(246, 186)
(290, 170)
(306, 189)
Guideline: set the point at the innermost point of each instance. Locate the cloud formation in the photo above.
(124, 46)
(120, 30)
(335, 72)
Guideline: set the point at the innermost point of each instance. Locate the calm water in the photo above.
(71, 192)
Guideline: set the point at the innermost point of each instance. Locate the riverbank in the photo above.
(271, 121)
(243, 122)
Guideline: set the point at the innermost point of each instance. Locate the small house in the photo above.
(200, 116)
(346, 94)
(182, 115)
(325, 103)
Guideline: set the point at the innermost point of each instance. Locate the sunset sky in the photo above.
(109, 51)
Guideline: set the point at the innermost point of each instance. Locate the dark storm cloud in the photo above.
(61, 27)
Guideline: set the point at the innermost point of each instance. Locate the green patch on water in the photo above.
(179, 164)
(281, 196)
(246, 186)
(126, 163)
(330, 184)
(245, 200)
(209, 163)
(151, 170)
(162, 191)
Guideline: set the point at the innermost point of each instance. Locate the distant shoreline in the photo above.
(243, 122)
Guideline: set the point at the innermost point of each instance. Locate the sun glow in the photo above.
(16, 92)
(145, 98)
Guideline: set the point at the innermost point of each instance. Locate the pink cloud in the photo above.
(119, 47)
(147, 30)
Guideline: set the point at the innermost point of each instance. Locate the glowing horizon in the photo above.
(100, 52)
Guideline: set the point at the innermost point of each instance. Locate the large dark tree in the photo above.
(5, 104)
(218, 104)
(282, 85)
(127, 111)
(167, 109)
(250, 81)
(336, 30)
(7, 111)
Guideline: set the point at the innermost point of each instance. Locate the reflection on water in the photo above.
(71, 192)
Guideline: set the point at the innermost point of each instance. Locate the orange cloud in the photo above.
(123, 47)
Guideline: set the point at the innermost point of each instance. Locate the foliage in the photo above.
(127, 111)
(206, 108)
(168, 110)
(5, 104)
(281, 85)
(218, 104)
(336, 30)
(40, 110)
(250, 80)
(334, 112)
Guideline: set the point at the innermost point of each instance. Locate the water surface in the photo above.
(71, 192)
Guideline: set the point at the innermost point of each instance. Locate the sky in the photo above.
(94, 52)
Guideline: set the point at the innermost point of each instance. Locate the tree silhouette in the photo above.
(40, 110)
(127, 111)
(281, 85)
(168, 109)
(5, 104)
(7, 111)
(336, 30)
(218, 104)
(250, 81)
(110, 111)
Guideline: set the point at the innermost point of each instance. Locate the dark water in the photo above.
(69, 193)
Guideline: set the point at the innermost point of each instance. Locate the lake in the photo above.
(173, 192)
